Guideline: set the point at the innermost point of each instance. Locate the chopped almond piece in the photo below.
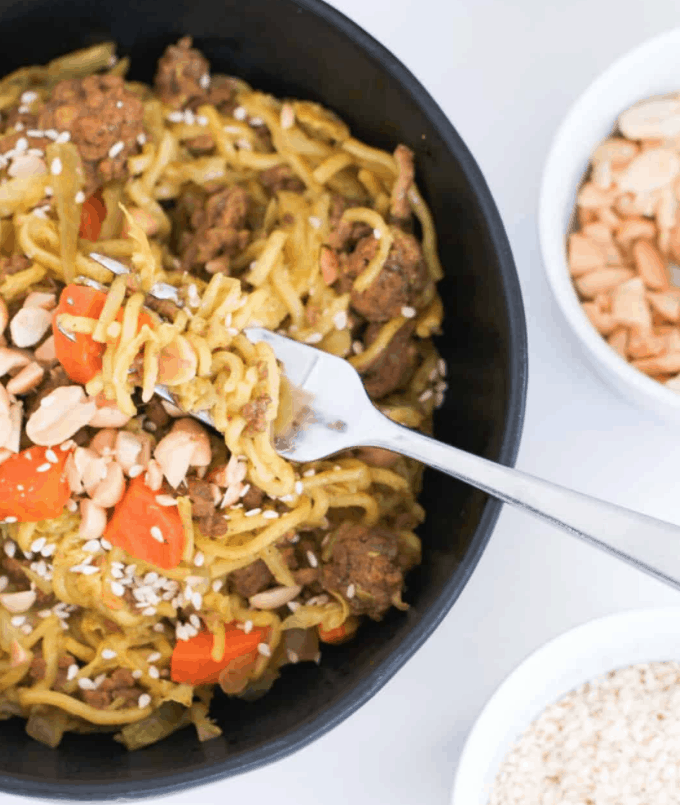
(650, 265)
(608, 217)
(616, 150)
(662, 364)
(674, 243)
(645, 345)
(593, 197)
(666, 305)
(603, 302)
(626, 206)
(598, 232)
(672, 340)
(584, 255)
(674, 383)
(602, 281)
(630, 306)
(586, 216)
(618, 341)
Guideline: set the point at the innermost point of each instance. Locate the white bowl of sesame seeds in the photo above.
(651, 69)
(546, 737)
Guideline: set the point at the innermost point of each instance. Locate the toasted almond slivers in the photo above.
(275, 597)
(109, 416)
(104, 441)
(18, 602)
(110, 490)
(597, 232)
(590, 196)
(61, 414)
(153, 477)
(616, 150)
(46, 352)
(661, 365)
(602, 281)
(29, 325)
(650, 265)
(174, 453)
(604, 323)
(28, 378)
(651, 118)
(666, 304)
(630, 306)
(128, 447)
(93, 520)
(634, 229)
(649, 171)
(202, 454)
(618, 341)
(645, 345)
(16, 416)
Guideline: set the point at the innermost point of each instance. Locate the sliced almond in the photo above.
(618, 341)
(657, 118)
(104, 442)
(606, 216)
(661, 365)
(630, 306)
(601, 174)
(584, 255)
(153, 477)
(666, 305)
(174, 453)
(18, 654)
(672, 338)
(202, 454)
(645, 345)
(177, 363)
(11, 359)
(29, 377)
(46, 301)
(604, 323)
(61, 414)
(128, 448)
(649, 171)
(110, 490)
(93, 520)
(602, 281)
(650, 265)
(597, 232)
(18, 602)
(24, 166)
(590, 196)
(46, 352)
(108, 416)
(616, 150)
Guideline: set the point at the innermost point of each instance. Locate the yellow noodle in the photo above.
(82, 710)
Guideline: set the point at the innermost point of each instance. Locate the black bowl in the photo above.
(304, 49)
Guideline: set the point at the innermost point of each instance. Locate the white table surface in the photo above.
(505, 74)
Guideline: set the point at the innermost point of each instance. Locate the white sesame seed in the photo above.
(72, 672)
(49, 191)
(116, 148)
(86, 570)
(314, 221)
(299, 487)
(92, 546)
(44, 467)
(80, 197)
(217, 585)
(154, 672)
(117, 589)
(377, 234)
(86, 684)
(149, 611)
(29, 96)
(166, 500)
(137, 674)
(204, 81)
(194, 620)
(351, 590)
(44, 613)
(109, 654)
(21, 144)
(264, 649)
(56, 167)
(144, 701)
(135, 470)
(340, 320)
(253, 512)
(441, 366)
(158, 627)
(51, 134)
(408, 312)
(202, 120)
(309, 473)
(199, 559)
(311, 558)
(154, 656)
(141, 138)
(38, 544)
(156, 533)
(314, 338)
(240, 113)
(425, 396)
(119, 104)
(197, 600)
(106, 545)
(293, 606)
(248, 627)
(19, 126)
(48, 550)
(63, 137)
(18, 620)
(10, 548)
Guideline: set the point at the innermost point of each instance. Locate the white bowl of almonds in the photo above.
(593, 716)
(609, 223)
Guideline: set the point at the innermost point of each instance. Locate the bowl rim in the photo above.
(629, 622)
(554, 253)
(382, 672)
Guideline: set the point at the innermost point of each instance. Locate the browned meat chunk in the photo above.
(251, 579)
(203, 144)
(399, 284)
(222, 93)
(14, 569)
(165, 308)
(156, 414)
(281, 177)
(38, 667)
(254, 412)
(400, 209)
(344, 234)
(367, 559)
(104, 120)
(13, 265)
(394, 365)
(202, 503)
(120, 686)
(183, 74)
(213, 525)
(253, 498)
(219, 228)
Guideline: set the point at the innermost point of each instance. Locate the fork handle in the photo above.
(649, 544)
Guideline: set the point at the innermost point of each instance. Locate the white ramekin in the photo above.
(653, 68)
(565, 663)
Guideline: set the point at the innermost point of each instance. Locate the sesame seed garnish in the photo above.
(264, 649)
(176, 117)
(156, 533)
(137, 674)
(19, 126)
(106, 545)
(44, 467)
(92, 546)
(195, 621)
(119, 104)
(154, 672)
(425, 396)
(51, 456)
(149, 611)
(293, 606)
(9, 519)
(294, 539)
(10, 548)
(86, 570)
(314, 338)
(202, 120)
(204, 81)
(309, 473)
(441, 366)
(51, 134)
(253, 512)
(299, 487)
(144, 700)
(311, 558)
(48, 550)
(154, 656)
(240, 113)
(63, 137)
(117, 589)
(38, 544)
(217, 585)
(86, 684)
(270, 514)
(141, 138)
(29, 96)
(21, 144)
(109, 654)
(351, 590)
(18, 620)
(199, 559)
(292, 656)
(340, 320)
(80, 197)
(56, 167)
(314, 221)
(44, 613)
(116, 148)
(72, 672)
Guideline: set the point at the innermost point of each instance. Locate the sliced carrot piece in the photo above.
(191, 661)
(92, 217)
(145, 529)
(32, 487)
(341, 633)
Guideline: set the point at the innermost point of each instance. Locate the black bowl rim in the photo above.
(517, 389)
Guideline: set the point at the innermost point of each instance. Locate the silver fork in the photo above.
(332, 412)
